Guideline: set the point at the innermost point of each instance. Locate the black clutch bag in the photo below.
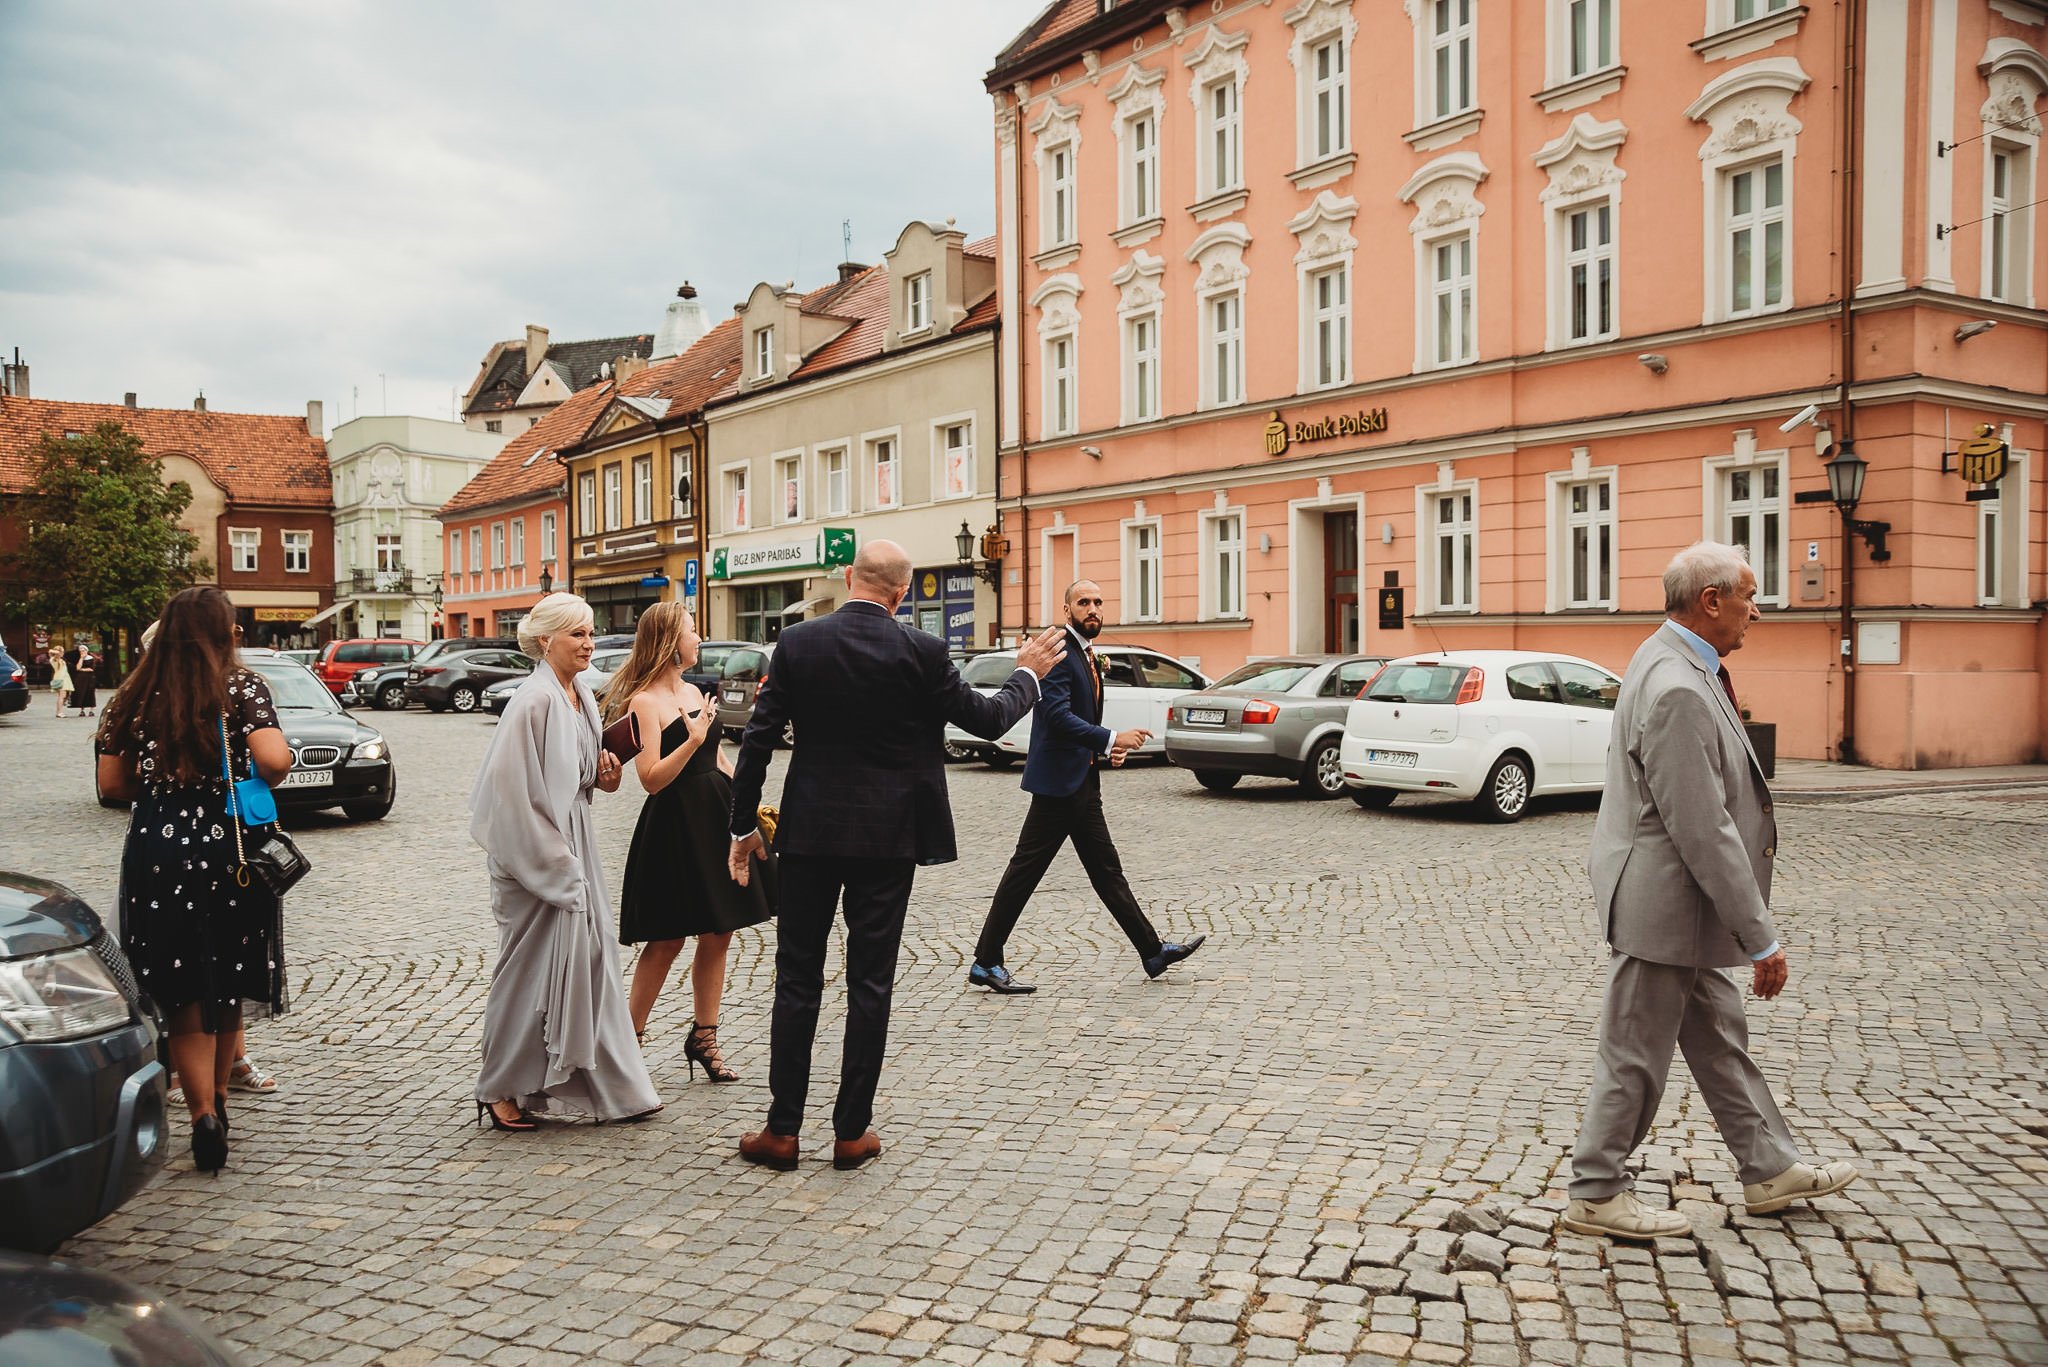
(278, 862)
(622, 737)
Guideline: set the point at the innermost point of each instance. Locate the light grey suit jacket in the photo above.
(1682, 850)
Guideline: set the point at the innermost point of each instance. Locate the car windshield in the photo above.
(292, 687)
(1421, 681)
(989, 671)
(608, 661)
(711, 659)
(1268, 675)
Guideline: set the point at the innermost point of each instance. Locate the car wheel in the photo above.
(1000, 759)
(956, 754)
(1322, 776)
(374, 808)
(1374, 799)
(1216, 780)
(1506, 794)
(463, 699)
(788, 735)
(391, 697)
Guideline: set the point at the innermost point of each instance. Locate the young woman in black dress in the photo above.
(202, 931)
(676, 880)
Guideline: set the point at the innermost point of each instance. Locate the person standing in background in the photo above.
(60, 682)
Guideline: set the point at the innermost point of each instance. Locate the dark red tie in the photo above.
(1728, 687)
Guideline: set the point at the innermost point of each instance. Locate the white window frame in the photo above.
(643, 490)
(1730, 13)
(1060, 219)
(838, 501)
(614, 496)
(1056, 153)
(941, 430)
(917, 302)
(764, 352)
(547, 537)
(1324, 231)
(1050, 592)
(735, 495)
(515, 542)
(1458, 345)
(1581, 165)
(1431, 534)
(2008, 227)
(1455, 47)
(1061, 380)
(476, 549)
(1141, 167)
(586, 506)
(1580, 271)
(1560, 522)
(1220, 273)
(393, 542)
(454, 552)
(1718, 524)
(1143, 568)
(787, 470)
(1757, 224)
(497, 546)
(1219, 151)
(1223, 348)
(1602, 19)
(871, 444)
(1328, 99)
(1445, 194)
(1329, 326)
(1057, 303)
(1222, 577)
(298, 545)
(1140, 103)
(1749, 123)
(245, 549)
(1141, 387)
(2005, 550)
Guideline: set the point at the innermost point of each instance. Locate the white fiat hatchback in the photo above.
(1495, 726)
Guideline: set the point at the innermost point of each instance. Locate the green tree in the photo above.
(102, 545)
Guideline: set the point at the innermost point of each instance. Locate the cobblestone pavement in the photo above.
(1339, 1134)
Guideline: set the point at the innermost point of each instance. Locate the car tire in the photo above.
(1505, 797)
(463, 698)
(391, 697)
(1217, 780)
(1374, 799)
(1000, 759)
(957, 754)
(374, 808)
(1322, 774)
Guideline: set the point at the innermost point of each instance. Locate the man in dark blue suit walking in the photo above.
(1063, 774)
(864, 805)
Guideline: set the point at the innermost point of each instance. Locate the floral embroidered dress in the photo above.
(191, 931)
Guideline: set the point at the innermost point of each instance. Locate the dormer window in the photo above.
(764, 353)
(917, 302)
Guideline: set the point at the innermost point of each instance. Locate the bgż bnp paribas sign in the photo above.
(1281, 434)
(832, 547)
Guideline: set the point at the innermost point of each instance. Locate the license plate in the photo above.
(308, 778)
(734, 695)
(1205, 716)
(1399, 759)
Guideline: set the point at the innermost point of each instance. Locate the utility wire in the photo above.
(1942, 149)
(1941, 232)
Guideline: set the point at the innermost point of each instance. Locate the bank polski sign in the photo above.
(833, 546)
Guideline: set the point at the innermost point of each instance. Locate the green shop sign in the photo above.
(831, 548)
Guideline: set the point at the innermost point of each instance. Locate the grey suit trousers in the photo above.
(1649, 1008)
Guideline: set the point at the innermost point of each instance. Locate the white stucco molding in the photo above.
(1219, 255)
(2018, 77)
(1219, 54)
(1058, 302)
(1141, 87)
(1748, 107)
(1445, 192)
(1138, 283)
(1324, 228)
(1580, 160)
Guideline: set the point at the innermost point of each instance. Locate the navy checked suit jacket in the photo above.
(1067, 735)
(867, 775)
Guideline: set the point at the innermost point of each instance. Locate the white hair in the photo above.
(557, 612)
(1701, 566)
(149, 635)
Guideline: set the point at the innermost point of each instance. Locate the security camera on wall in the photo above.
(1801, 418)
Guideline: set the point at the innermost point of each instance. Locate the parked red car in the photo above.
(341, 661)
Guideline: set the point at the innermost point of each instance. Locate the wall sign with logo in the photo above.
(941, 602)
(832, 547)
(1982, 460)
(1282, 434)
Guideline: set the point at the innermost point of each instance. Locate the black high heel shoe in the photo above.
(498, 1122)
(701, 1050)
(209, 1144)
(220, 1108)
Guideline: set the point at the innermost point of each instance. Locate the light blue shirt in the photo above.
(1711, 658)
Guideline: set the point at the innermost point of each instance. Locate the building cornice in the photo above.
(888, 363)
(560, 494)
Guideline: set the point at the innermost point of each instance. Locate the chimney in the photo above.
(626, 367)
(128, 399)
(536, 347)
(849, 269)
(682, 325)
(199, 404)
(316, 419)
(15, 377)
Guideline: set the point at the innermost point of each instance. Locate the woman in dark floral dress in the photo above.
(202, 932)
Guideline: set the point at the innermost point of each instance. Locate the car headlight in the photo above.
(60, 996)
(370, 749)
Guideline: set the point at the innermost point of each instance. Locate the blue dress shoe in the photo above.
(1169, 955)
(998, 978)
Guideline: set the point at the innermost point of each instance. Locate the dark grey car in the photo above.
(81, 1082)
(1281, 718)
(459, 681)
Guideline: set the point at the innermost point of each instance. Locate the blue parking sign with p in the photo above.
(690, 577)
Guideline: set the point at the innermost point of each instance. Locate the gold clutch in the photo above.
(766, 816)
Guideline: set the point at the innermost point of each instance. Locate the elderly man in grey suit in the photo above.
(1681, 867)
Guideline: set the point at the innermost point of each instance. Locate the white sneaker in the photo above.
(1800, 1182)
(1622, 1216)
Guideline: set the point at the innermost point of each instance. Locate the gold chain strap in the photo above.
(234, 813)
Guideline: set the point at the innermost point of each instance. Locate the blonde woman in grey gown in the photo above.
(556, 1030)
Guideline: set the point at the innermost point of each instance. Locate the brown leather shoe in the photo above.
(848, 1154)
(770, 1150)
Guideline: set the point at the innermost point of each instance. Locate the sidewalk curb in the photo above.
(1903, 790)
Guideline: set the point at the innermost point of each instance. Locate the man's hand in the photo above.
(1129, 740)
(1770, 976)
(738, 862)
(1044, 651)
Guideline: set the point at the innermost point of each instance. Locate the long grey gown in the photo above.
(556, 1028)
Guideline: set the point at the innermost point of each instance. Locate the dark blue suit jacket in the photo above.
(1067, 734)
(870, 700)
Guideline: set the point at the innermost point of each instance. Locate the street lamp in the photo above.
(1846, 471)
(964, 543)
(547, 581)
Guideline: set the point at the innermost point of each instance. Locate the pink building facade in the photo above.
(1342, 326)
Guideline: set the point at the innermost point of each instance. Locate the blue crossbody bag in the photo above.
(251, 799)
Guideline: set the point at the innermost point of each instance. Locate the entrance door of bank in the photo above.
(1340, 583)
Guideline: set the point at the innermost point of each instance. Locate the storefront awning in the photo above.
(317, 618)
(794, 608)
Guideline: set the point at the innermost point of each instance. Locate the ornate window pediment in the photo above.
(1324, 228)
(1748, 107)
(1058, 302)
(2018, 77)
(1580, 160)
(1139, 282)
(1445, 192)
(1218, 256)
(1220, 54)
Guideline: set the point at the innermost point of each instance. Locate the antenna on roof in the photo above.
(846, 239)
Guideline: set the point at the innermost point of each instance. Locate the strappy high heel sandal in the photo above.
(701, 1050)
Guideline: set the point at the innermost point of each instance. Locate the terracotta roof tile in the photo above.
(526, 467)
(260, 459)
(1054, 22)
(710, 369)
(981, 246)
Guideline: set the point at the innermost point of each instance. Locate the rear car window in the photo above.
(1532, 683)
(354, 654)
(1421, 682)
(745, 666)
(1156, 671)
(1276, 675)
(394, 652)
(711, 659)
(989, 671)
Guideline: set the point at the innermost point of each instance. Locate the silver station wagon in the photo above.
(1279, 718)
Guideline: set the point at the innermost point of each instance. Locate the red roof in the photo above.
(260, 459)
(526, 468)
(708, 370)
(1054, 22)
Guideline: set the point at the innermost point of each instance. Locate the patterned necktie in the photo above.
(1095, 673)
(1728, 687)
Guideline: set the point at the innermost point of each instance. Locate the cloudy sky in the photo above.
(275, 202)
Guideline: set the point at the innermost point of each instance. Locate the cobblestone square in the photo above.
(1337, 1135)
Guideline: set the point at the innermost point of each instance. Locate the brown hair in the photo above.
(179, 687)
(657, 641)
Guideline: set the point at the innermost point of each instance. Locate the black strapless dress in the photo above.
(676, 879)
